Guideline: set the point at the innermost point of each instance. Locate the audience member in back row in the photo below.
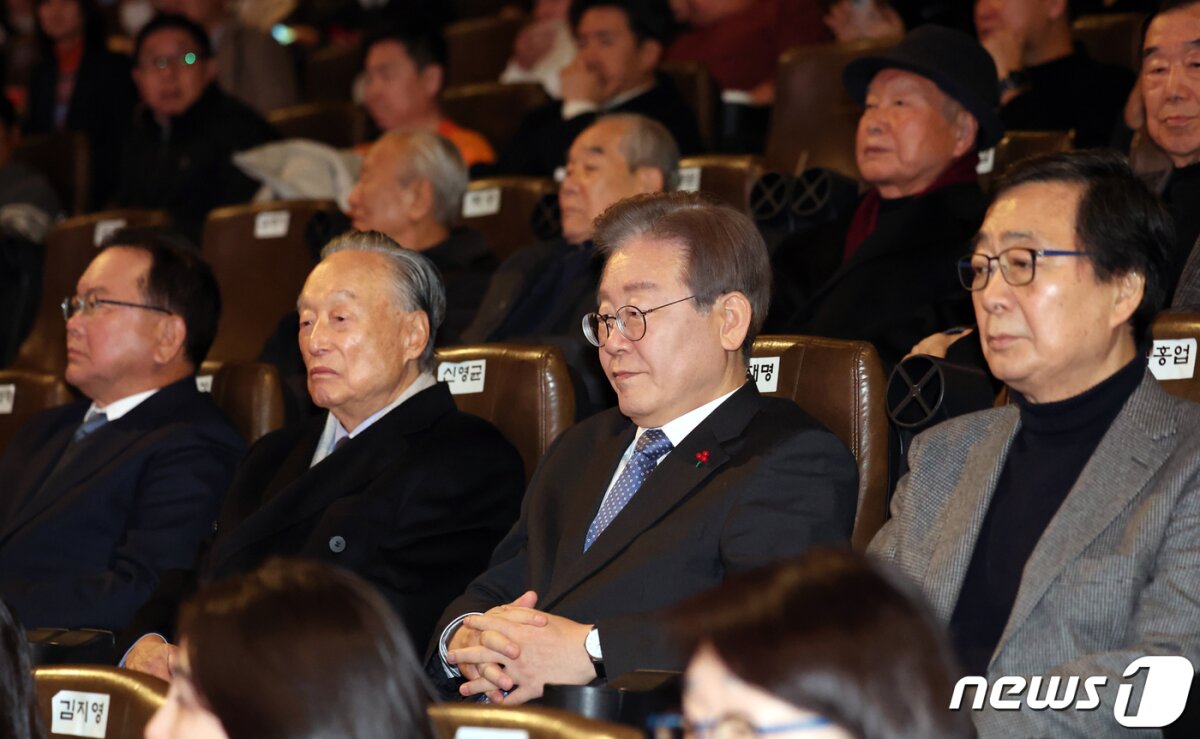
(1058, 535)
(620, 45)
(394, 483)
(539, 293)
(98, 498)
(543, 47)
(829, 646)
(251, 66)
(740, 41)
(410, 188)
(178, 154)
(293, 650)
(403, 74)
(80, 85)
(887, 276)
(695, 477)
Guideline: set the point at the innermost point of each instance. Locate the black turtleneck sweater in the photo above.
(1054, 442)
(1182, 197)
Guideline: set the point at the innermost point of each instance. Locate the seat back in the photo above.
(478, 49)
(338, 123)
(66, 160)
(1017, 145)
(494, 109)
(814, 118)
(76, 699)
(841, 384)
(703, 95)
(512, 212)
(1174, 353)
(523, 390)
(70, 247)
(727, 177)
(260, 258)
(23, 394)
(531, 722)
(329, 73)
(250, 395)
(1114, 38)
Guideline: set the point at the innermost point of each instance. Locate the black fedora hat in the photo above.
(954, 61)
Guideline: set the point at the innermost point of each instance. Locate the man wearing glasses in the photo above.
(178, 155)
(1060, 534)
(693, 478)
(100, 497)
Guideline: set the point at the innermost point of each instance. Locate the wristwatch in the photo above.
(592, 645)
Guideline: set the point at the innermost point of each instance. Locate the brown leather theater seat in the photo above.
(727, 177)
(524, 390)
(814, 117)
(536, 722)
(249, 393)
(1111, 38)
(1017, 145)
(842, 385)
(494, 109)
(702, 93)
(1171, 325)
(23, 394)
(478, 49)
(260, 258)
(133, 697)
(65, 158)
(329, 73)
(338, 123)
(70, 247)
(512, 212)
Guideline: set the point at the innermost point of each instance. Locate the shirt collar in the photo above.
(624, 97)
(678, 429)
(335, 431)
(118, 408)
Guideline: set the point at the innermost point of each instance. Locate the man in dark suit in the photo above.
(695, 476)
(620, 45)
(394, 483)
(98, 498)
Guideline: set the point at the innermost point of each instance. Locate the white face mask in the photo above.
(134, 14)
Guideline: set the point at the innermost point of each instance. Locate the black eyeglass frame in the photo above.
(965, 267)
(604, 318)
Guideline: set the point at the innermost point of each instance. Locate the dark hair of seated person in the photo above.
(834, 634)
(303, 649)
(18, 699)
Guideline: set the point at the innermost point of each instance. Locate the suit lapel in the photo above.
(1124, 462)
(676, 477)
(38, 470)
(964, 513)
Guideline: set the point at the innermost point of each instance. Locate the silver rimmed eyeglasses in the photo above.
(1018, 265)
(630, 320)
(72, 306)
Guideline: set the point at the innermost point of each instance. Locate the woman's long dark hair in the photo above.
(18, 698)
(300, 649)
(95, 31)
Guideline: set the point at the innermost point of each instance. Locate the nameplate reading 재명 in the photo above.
(204, 383)
(987, 161)
(485, 732)
(1173, 359)
(479, 203)
(765, 373)
(272, 224)
(689, 179)
(75, 713)
(106, 228)
(463, 378)
(8, 394)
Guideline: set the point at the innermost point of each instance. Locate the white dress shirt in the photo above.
(118, 408)
(335, 431)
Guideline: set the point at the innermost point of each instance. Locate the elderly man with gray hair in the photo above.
(393, 483)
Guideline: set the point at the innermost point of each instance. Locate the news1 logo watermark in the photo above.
(1168, 681)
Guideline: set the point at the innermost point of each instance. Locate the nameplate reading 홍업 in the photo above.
(479, 203)
(8, 395)
(106, 228)
(75, 713)
(463, 378)
(765, 372)
(689, 179)
(1173, 359)
(484, 732)
(204, 383)
(272, 224)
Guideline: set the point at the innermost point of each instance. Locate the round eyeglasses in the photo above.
(1018, 266)
(74, 306)
(160, 63)
(630, 320)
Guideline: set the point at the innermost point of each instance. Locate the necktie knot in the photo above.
(92, 421)
(653, 444)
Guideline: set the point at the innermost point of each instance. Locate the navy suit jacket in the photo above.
(775, 482)
(84, 545)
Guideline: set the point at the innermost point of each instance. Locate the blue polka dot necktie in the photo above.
(93, 421)
(652, 445)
